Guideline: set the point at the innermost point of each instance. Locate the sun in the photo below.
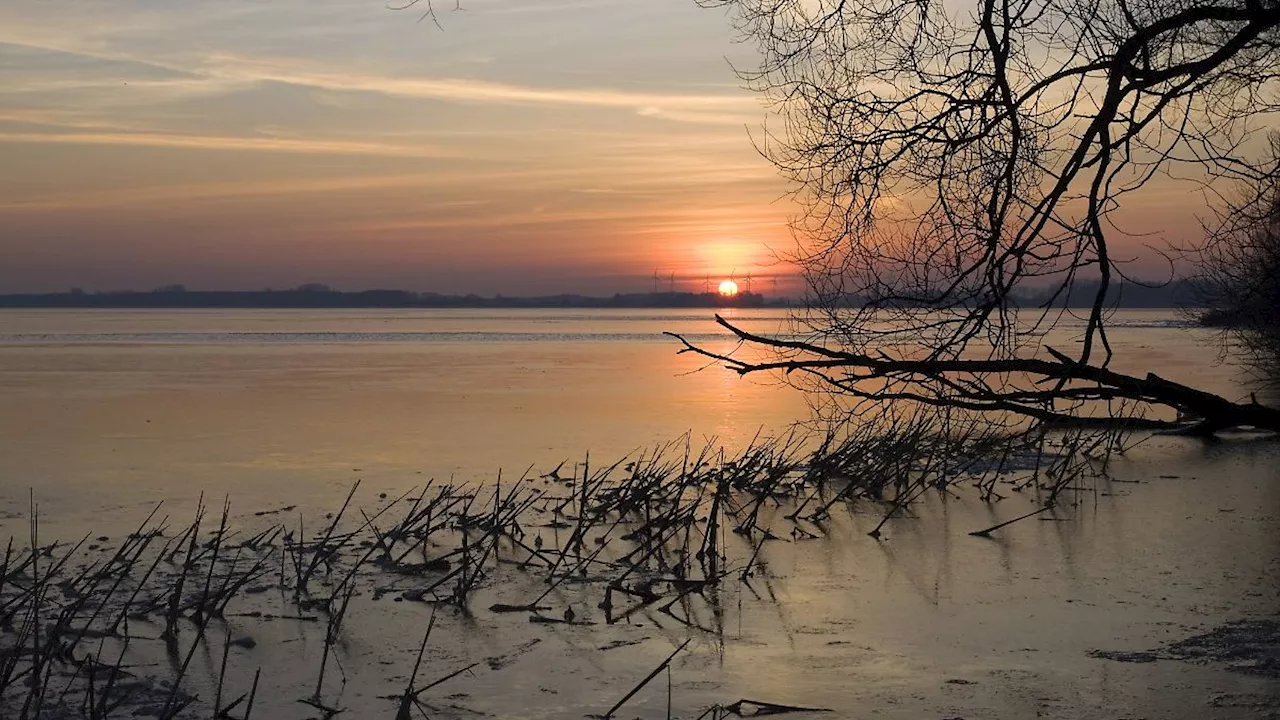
(728, 288)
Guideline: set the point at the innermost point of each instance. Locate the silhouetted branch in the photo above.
(1031, 387)
(947, 157)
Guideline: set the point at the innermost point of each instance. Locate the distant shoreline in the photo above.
(316, 299)
(320, 297)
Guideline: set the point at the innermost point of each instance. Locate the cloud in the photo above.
(298, 124)
(214, 142)
(61, 118)
(37, 50)
(169, 193)
(670, 105)
(222, 72)
(699, 118)
(672, 215)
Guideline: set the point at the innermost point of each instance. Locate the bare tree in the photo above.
(1237, 282)
(949, 155)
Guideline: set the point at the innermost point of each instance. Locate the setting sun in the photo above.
(728, 288)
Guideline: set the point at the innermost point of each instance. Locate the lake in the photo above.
(124, 407)
(104, 413)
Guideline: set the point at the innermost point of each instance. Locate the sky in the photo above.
(523, 147)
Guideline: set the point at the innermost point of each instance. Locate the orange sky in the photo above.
(529, 147)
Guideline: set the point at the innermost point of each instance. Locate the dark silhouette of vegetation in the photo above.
(946, 157)
(318, 296)
(110, 628)
(1238, 277)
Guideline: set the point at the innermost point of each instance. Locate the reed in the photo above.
(659, 531)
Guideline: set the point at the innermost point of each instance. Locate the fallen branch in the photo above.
(986, 385)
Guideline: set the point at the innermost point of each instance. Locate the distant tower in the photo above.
(747, 281)
(655, 281)
(671, 283)
(706, 285)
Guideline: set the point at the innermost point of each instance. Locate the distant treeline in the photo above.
(315, 296)
(1177, 293)
(322, 297)
(1120, 294)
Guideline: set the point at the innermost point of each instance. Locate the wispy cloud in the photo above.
(74, 47)
(658, 215)
(159, 194)
(323, 125)
(669, 105)
(224, 72)
(700, 118)
(213, 142)
(62, 118)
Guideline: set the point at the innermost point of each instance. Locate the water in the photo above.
(104, 413)
(128, 407)
(123, 408)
